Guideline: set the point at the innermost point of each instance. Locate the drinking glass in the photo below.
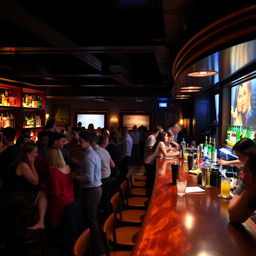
(225, 188)
(193, 144)
(181, 187)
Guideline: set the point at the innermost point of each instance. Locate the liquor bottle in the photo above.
(209, 150)
(214, 152)
(205, 147)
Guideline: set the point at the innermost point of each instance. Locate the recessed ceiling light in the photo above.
(203, 73)
(183, 95)
(189, 91)
(190, 87)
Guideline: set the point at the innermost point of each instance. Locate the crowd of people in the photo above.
(85, 168)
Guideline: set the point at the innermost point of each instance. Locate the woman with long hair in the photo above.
(158, 150)
(25, 191)
(60, 190)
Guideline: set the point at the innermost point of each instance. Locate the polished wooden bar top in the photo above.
(196, 224)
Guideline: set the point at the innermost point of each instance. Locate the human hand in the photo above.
(222, 162)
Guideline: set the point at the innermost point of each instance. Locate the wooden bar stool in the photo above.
(119, 237)
(135, 191)
(130, 216)
(82, 244)
(132, 201)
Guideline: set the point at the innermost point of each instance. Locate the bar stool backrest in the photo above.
(124, 191)
(82, 244)
(109, 233)
(117, 204)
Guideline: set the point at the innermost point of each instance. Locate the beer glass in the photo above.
(225, 188)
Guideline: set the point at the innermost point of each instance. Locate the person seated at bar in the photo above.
(243, 204)
(158, 150)
(171, 145)
(239, 149)
(60, 189)
(24, 190)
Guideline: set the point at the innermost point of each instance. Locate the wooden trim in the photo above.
(235, 28)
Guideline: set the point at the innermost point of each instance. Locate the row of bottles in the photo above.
(210, 150)
(7, 120)
(32, 121)
(30, 100)
(7, 98)
(235, 133)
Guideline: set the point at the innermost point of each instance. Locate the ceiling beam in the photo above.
(10, 10)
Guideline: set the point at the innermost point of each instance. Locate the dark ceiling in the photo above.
(100, 48)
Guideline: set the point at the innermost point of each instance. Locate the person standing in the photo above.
(175, 129)
(136, 145)
(106, 164)
(126, 152)
(90, 184)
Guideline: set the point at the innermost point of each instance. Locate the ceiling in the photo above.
(108, 48)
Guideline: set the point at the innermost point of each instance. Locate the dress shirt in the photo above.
(126, 146)
(90, 171)
(105, 161)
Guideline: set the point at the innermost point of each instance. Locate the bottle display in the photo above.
(214, 152)
(30, 100)
(7, 98)
(7, 120)
(235, 133)
(32, 121)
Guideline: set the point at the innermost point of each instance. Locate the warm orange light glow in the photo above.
(114, 119)
(203, 73)
(47, 116)
(191, 87)
(189, 221)
(181, 122)
(189, 91)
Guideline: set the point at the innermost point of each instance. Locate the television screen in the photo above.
(98, 120)
(162, 104)
(243, 104)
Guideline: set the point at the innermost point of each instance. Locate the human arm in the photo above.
(240, 207)
(86, 171)
(236, 162)
(168, 154)
(28, 171)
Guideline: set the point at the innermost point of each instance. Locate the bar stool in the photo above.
(82, 244)
(132, 201)
(119, 237)
(130, 216)
(140, 178)
(135, 191)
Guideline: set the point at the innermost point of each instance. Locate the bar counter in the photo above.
(196, 224)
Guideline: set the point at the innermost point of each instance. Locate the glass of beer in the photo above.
(225, 188)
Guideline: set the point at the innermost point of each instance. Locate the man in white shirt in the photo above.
(151, 140)
(126, 151)
(106, 164)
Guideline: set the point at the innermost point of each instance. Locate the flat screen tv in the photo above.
(98, 120)
(243, 104)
